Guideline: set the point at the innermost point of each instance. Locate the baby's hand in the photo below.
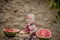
(31, 32)
(22, 32)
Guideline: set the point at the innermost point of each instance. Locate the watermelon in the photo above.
(10, 32)
(43, 34)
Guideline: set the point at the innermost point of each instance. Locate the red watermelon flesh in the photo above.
(43, 33)
(10, 30)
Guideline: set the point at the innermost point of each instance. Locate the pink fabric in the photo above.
(28, 30)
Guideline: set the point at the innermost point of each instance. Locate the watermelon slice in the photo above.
(10, 32)
(43, 33)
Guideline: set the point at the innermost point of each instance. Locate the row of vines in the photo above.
(55, 4)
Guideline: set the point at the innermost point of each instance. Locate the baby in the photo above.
(31, 26)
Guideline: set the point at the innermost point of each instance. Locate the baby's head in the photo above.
(30, 17)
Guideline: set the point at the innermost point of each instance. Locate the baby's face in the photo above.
(28, 19)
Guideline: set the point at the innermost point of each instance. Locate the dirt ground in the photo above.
(13, 12)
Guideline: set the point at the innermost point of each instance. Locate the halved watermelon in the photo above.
(43, 33)
(10, 32)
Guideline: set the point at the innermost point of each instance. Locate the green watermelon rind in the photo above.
(44, 38)
(10, 34)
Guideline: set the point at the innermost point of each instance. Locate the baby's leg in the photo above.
(26, 37)
(32, 38)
